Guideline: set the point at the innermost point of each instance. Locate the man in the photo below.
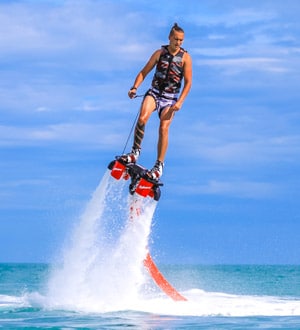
(173, 64)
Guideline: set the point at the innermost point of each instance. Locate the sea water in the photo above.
(98, 281)
(219, 297)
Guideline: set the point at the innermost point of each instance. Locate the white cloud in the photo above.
(94, 33)
(247, 16)
(99, 136)
(248, 153)
(19, 184)
(236, 188)
(237, 65)
(236, 140)
(234, 17)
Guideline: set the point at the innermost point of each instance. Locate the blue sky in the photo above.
(231, 191)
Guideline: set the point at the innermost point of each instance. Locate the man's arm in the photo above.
(144, 72)
(187, 79)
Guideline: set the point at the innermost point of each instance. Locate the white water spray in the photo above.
(102, 266)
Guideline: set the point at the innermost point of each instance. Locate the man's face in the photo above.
(176, 40)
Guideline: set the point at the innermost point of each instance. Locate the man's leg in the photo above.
(138, 135)
(147, 107)
(163, 136)
(162, 145)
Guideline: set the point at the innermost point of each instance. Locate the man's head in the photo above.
(176, 37)
(175, 28)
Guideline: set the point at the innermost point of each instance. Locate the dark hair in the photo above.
(176, 28)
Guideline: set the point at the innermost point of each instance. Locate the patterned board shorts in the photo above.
(163, 100)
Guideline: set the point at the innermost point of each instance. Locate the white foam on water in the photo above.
(202, 303)
(11, 301)
(199, 303)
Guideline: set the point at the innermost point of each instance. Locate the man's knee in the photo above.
(142, 120)
(164, 126)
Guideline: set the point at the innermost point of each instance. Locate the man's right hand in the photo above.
(132, 92)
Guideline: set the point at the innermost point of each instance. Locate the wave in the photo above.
(199, 303)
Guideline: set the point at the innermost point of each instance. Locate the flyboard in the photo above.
(141, 184)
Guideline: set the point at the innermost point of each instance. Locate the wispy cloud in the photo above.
(236, 188)
(235, 17)
(99, 136)
(235, 140)
(79, 31)
(240, 65)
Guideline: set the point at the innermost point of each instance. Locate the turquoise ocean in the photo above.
(97, 280)
(219, 297)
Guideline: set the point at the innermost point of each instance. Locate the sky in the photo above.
(231, 179)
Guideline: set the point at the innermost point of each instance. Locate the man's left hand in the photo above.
(176, 106)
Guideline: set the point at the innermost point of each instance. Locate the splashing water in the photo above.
(102, 265)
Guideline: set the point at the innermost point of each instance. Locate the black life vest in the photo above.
(169, 71)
